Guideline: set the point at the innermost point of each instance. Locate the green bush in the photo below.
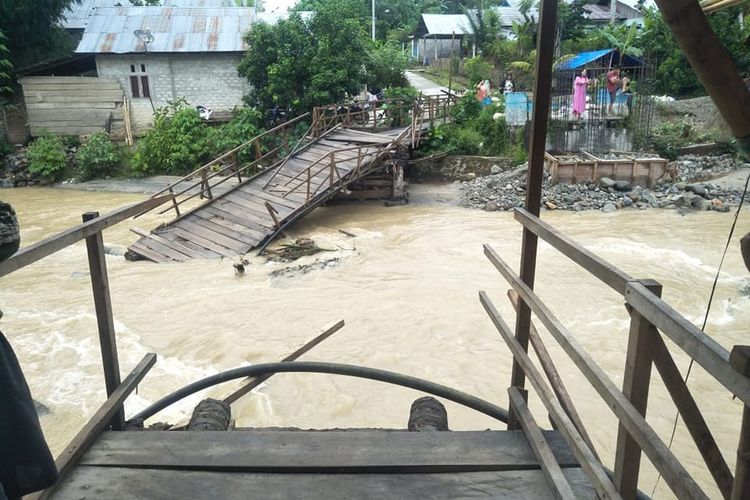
(397, 112)
(246, 124)
(495, 132)
(99, 157)
(464, 141)
(477, 69)
(387, 66)
(177, 144)
(466, 109)
(667, 138)
(6, 148)
(47, 157)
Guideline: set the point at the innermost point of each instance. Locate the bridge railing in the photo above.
(266, 146)
(651, 318)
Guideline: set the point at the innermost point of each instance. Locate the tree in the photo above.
(621, 38)
(674, 76)
(485, 27)
(301, 64)
(33, 30)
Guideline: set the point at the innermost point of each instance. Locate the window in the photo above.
(139, 81)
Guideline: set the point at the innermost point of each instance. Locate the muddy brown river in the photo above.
(407, 288)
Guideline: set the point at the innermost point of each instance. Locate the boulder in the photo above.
(491, 206)
(495, 169)
(606, 182)
(609, 207)
(621, 186)
(698, 189)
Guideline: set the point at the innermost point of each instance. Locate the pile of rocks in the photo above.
(684, 191)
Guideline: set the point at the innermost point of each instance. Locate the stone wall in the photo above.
(457, 168)
(208, 79)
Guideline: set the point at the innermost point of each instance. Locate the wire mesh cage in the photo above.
(592, 112)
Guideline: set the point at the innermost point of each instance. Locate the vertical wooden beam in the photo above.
(711, 62)
(104, 320)
(550, 468)
(635, 386)
(542, 93)
(692, 417)
(740, 361)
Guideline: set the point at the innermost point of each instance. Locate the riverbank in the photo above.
(694, 183)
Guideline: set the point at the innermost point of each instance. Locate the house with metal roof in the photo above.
(439, 35)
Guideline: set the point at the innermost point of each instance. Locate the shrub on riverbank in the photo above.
(47, 158)
(99, 157)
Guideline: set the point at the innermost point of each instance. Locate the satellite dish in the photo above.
(144, 35)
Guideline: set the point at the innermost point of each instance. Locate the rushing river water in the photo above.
(407, 287)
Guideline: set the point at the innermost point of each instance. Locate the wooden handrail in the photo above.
(231, 152)
(679, 480)
(48, 246)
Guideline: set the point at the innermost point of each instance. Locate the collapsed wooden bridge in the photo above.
(286, 180)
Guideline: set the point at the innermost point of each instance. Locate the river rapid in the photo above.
(407, 288)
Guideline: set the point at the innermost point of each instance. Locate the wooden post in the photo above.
(740, 361)
(542, 93)
(175, 205)
(307, 198)
(104, 320)
(333, 169)
(635, 387)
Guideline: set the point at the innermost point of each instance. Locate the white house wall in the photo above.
(208, 79)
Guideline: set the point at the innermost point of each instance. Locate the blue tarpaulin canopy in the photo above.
(584, 58)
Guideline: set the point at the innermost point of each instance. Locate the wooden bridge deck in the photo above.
(240, 220)
(276, 464)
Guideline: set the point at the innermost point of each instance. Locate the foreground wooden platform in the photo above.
(256, 209)
(272, 464)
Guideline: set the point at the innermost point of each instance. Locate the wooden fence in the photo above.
(651, 318)
(71, 105)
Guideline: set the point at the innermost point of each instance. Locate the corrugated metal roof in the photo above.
(174, 29)
(446, 24)
(78, 15)
(509, 13)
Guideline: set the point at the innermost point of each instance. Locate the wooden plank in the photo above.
(692, 416)
(75, 98)
(708, 353)
(82, 94)
(166, 250)
(200, 240)
(325, 451)
(597, 266)
(252, 383)
(104, 318)
(740, 361)
(542, 451)
(48, 246)
(207, 253)
(254, 192)
(212, 235)
(232, 217)
(40, 131)
(175, 246)
(66, 80)
(227, 219)
(221, 230)
(248, 209)
(147, 253)
(248, 233)
(71, 116)
(99, 421)
(590, 464)
(72, 105)
(255, 202)
(636, 382)
(241, 234)
(135, 484)
(679, 480)
(554, 378)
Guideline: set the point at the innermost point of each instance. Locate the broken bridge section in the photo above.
(250, 214)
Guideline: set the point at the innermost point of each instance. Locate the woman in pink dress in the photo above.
(579, 93)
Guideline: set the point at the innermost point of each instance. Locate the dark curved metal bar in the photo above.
(454, 395)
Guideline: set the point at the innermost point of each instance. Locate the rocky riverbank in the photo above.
(690, 187)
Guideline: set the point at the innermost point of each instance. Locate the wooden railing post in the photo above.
(104, 320)
(635, 387)
(307, 198)
(333, 168)
(739, 358)
(175, 205)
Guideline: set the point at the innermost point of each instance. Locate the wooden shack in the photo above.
(72, 105)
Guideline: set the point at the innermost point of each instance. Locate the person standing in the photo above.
(579, 93)
(613, 85)
(509, 85)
